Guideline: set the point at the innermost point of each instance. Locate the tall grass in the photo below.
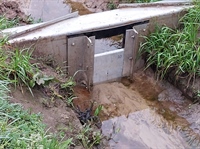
(18, 128)
(175, 50)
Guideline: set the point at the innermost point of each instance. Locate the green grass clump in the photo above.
(8, 23)
(175, 50)
(16, 68)
(21, 130)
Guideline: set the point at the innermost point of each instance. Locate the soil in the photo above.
(56, 113)
(11, 11)
(92, 6)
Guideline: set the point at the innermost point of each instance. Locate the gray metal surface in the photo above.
(108, 66)
(80, 55)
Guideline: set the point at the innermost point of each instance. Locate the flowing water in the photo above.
(170, 121)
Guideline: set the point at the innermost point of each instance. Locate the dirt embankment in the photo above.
(11, 10)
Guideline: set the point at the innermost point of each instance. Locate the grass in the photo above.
(5, 23)
(22, 130)
(88, 137)
(113, 5)
(138, 1)
(18, 128)
(175, 50)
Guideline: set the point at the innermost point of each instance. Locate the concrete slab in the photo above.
(97, 22)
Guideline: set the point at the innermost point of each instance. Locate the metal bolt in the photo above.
(130, 58)
(144, 30)
(133, 36)
(73, 44)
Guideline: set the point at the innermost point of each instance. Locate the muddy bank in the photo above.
(189, 86)
(11, 10)
(93, 6)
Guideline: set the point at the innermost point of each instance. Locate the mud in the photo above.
(96, 6)
(55, 114)
(11, 10)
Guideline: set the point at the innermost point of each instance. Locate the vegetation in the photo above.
(19, 128)
(88, 137)
(175, 51)
(5, 23)
(138, 1)
(113, 5)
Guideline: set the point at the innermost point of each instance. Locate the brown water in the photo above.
(132, 121)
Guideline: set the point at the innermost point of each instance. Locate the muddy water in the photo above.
(166, 120)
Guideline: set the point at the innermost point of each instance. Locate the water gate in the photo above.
(72, 39)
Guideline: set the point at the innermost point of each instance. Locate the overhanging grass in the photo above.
(175, 50)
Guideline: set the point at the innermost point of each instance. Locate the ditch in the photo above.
(141, 112)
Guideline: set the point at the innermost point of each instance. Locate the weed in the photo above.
(98, 110)
(19, 129)
(138, 1)
(5, 23)
(70, 83)
(70, 100)
(111, 5)
(31, 20)
(146, 1)
(175, 50)
(88, 137)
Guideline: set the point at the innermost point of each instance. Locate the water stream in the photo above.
(169, 122)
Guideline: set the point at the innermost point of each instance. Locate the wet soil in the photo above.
(11, 10)
(56, 113)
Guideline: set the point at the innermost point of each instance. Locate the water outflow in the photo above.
(142, 129)
(134, 122)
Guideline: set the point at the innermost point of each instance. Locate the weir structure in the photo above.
(71, 40)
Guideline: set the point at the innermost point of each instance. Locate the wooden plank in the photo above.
(80, 55)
